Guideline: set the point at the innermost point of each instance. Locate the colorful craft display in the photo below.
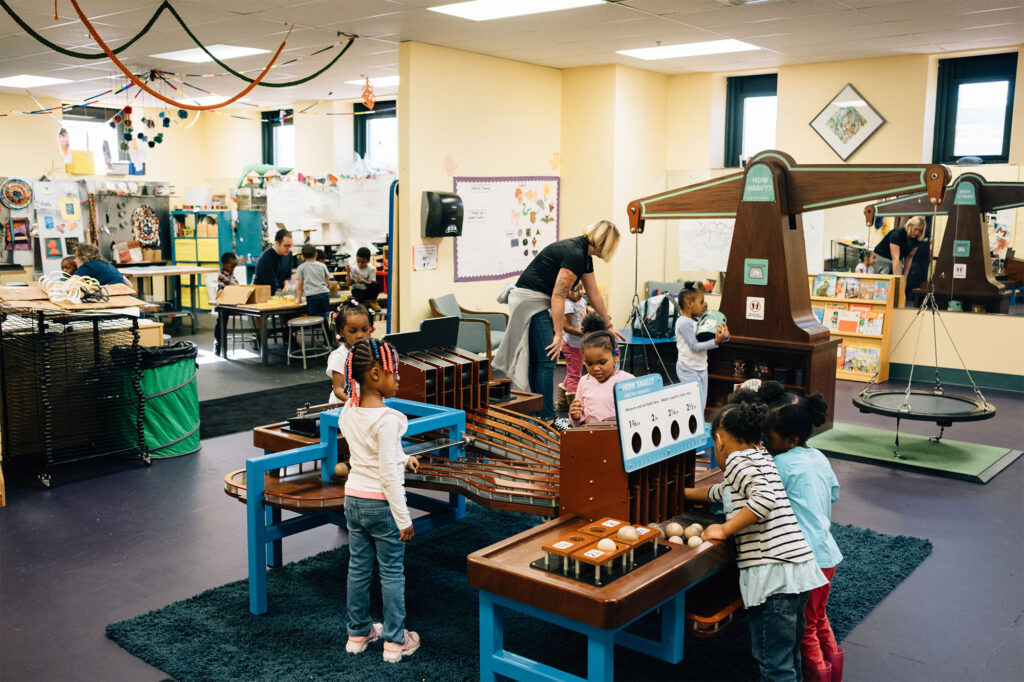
(146, 226)
(16, 194)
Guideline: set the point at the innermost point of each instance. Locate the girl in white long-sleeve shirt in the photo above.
(376, 514)
(692, 358)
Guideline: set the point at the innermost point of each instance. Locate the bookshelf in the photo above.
(859, 310)
(200, 237)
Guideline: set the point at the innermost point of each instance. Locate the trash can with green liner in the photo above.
(170, 396)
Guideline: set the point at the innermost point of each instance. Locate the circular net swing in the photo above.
(933, 405)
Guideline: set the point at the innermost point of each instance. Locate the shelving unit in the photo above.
(199, 237)
(865, 344)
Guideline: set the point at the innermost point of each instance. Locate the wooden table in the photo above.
(176, 272)
(265, 312)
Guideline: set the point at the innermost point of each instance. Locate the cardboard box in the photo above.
(152, 255)
(240, 294)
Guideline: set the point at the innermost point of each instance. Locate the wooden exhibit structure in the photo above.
(766, 298)
(963, 266)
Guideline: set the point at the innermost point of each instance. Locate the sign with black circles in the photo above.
(655, 421)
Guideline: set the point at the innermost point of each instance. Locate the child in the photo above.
(867, 262)
(692, 362)
(572, 335)
(226, 277)
(315, 281)
(812, 488)
(352, 320)
(375, 511)
(777, 566)
(68, 266)
(364, 279)
(595, 394)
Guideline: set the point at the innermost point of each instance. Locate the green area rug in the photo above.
(951, 458)
(212, 636)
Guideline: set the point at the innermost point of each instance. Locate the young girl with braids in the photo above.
(777, 566)
(352, 320)
(375, 510)
(595, 394)
(812, 487)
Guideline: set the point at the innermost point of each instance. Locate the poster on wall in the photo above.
(704, 244)
(353, 212)
(506, 222)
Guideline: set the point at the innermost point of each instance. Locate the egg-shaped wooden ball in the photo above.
(693, 529)
(676, 540)
(694, 541)
(658, 529)
(341, 469)
(627, 533)
(673, 529)
(606, 545)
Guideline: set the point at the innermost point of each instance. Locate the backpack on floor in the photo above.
(656, 317)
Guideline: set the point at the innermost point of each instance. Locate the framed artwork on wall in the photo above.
(846, 122)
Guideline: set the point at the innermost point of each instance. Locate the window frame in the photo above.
(98, 115)
(268, 121)
(959, 71)
(359, 121)
(737, 90)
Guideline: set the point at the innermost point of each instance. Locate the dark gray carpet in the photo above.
(244, 412)
(212, 636)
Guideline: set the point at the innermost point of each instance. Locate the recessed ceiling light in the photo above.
(379, 82)
(27, 81)
(483, 10)
(689, 49)
(196, 56)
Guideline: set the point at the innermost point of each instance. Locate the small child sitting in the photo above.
(363, 276)
(595, 395)
(867, 262)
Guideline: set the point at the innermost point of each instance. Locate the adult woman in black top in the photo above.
(533, 339)
(898, 246)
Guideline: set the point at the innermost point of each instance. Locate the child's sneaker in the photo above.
(357, 645)
(562, 424)
(394, 652)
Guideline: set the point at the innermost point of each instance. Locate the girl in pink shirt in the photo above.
(595, 395)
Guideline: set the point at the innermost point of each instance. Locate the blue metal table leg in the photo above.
(491, 635)
(274, 554)
(600, 654)
(257, 554)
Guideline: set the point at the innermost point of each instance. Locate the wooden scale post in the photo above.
(963, 267)
(766, 299)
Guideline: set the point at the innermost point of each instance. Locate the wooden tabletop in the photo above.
(167, 271)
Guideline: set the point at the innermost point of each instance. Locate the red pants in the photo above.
(818, 635)
(573, 367)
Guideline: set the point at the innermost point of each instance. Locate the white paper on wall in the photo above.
(506, 222)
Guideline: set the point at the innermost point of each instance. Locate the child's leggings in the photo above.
(818, 637)
(686, 374)
(573, 367)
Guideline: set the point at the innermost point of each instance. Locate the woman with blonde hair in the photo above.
(91, 264)
(533, 338)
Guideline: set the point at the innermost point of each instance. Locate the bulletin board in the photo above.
(506, 222)
(62, 219)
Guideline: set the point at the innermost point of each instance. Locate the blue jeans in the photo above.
(776, 630)
(542, 368)
(372, 530)
(319, 304)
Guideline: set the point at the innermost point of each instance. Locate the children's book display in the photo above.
(858, 308)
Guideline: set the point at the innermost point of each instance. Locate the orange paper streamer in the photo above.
(193, 107)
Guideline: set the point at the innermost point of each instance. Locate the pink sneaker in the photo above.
(394, 652)
(357, 645)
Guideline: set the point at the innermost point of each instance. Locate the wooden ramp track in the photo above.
(510, 486)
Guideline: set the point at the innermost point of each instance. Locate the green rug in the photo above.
(212, 636)
(950, 458)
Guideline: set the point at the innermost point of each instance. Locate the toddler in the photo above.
(352, 322)
(376, 515)
(867, 262)
(595, 394)
(692, 362)
(572, 335)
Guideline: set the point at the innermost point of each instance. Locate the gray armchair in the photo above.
(479, 332)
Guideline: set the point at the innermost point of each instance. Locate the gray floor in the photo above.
(107, 547)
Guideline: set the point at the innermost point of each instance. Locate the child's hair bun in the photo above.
(592, 322)
(690, 284)
(771, 391)
(743, 396)
(818, 407)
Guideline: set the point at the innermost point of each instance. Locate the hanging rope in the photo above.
(193, 107)
(145, 29)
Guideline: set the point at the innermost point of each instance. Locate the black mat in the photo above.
(246, 411)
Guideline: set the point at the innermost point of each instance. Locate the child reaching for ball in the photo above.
(352, 320)
(375, 511)
(811, 487)
(777, 566)
(595, 394)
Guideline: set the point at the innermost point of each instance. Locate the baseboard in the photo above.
(958, 377)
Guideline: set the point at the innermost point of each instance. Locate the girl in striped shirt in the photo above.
(777, 566)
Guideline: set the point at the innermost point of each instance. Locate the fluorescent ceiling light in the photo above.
(689, 49)
(27, 81)
(483, 10)
(196, 55)
(379, 82)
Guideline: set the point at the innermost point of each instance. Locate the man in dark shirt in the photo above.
(276, 263)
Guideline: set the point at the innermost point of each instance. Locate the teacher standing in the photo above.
(533, 338)
(897, 247)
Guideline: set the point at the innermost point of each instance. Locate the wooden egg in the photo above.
(676, 540)
(627, 533)
(341, 469)
(659, 529)
(694, 541)
(606, 545)
(693, 529)
(673, 529)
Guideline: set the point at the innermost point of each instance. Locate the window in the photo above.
(376, 135)
(88, 129)
(279, 138)
(750, 114)
(973, 108)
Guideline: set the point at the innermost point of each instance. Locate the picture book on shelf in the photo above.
(840, 356)
(819, 312)
(832, 311)
(861, 360)
(881, 289)
(871, 323)
(825, 285)
(840, 288)
(847, 321)
(851, 287)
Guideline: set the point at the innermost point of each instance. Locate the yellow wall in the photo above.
(988, 343)
(314, 138)
(503, 119)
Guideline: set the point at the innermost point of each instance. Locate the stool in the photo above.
(302, 325)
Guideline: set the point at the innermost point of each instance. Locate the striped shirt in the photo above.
(754, 483)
